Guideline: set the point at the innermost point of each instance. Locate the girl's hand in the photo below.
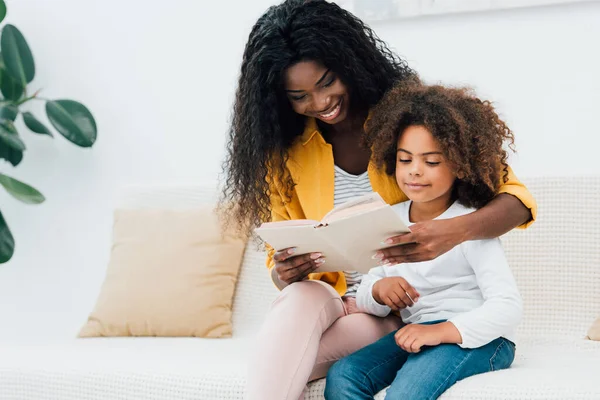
(413, 337)
(395, 292)
(427, 240)
(291, 268)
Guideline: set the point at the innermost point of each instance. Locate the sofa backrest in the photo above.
(254, 293)
(556, 261)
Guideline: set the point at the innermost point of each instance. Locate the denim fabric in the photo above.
(424, 375)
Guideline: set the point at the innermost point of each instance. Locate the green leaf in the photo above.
(18, 60)
(11, 90)
(9, 135)
(11, 146)
(9, 111)
(35, 125)
(72, 120)
(2, 10)
(7, 243)
(11, 155)
(21, 191)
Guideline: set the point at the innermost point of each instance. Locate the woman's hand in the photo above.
(395, 292)
(427, 240)
(291, 268)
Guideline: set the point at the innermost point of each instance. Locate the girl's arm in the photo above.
(501, 311)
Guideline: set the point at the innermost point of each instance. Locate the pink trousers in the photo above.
(305, 332)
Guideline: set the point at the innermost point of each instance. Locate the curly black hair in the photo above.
(264, 126)
(470, 133)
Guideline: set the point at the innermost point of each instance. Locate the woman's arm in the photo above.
(430, 239)
(513, 207)
(504, 213)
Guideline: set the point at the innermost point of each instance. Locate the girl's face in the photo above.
(315, 91)
(422, 171)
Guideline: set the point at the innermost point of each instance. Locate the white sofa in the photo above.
(556, 263)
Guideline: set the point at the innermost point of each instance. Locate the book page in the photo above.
(306, 239)
(358, 205)
(289, 222)
(359, 236)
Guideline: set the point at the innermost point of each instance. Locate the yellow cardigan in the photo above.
(311, 167)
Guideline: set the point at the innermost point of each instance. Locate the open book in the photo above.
(348, 236)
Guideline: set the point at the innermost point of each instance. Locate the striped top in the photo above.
(347, 187)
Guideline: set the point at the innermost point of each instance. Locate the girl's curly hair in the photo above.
(264, 126)
(470, 133)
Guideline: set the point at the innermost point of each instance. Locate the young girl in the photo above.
(461, 309)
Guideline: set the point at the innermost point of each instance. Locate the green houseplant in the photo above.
(70, 118)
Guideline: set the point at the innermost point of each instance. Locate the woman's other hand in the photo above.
(427, 240)
(292, 268)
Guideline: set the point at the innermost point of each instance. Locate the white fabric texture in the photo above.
(471, 286)
(556, 264)
(347, 187)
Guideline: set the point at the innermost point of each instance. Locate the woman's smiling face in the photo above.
(315, 91)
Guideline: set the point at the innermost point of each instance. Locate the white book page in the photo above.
(290, 222)
(356, 206)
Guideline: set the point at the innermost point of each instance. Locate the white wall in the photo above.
(540, 66)
(159, 77)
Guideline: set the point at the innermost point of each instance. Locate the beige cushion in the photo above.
(171, 273)
(594, 332)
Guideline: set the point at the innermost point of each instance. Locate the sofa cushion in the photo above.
(125, 368)
(545, 368)
(171, 273)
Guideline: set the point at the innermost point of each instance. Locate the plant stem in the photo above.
(32, 97)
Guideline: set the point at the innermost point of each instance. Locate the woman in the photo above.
(310, 74)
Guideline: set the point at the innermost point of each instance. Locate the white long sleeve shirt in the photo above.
(471, 286)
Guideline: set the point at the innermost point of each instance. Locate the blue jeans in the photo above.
(415, 376)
